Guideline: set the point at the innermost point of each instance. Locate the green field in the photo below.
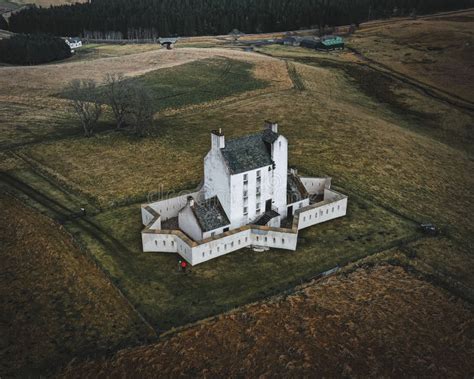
(169, 298)
(197, 82)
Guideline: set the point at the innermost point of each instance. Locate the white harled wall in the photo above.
(280, 174)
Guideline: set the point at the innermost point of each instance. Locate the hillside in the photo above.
(55, 303)
(379, 322)
(394, 134)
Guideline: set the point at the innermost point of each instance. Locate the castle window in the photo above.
(259, 174)
(269, 168)
(246, 179)
(274, 240)
(283, 241)
(172, 243)
(164, 243)
(232, 244)
(279, 144)
(203, 255)
(156, 243)
(266, 239)
(246, 211)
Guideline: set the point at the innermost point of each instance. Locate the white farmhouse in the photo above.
(248, 199)
(73, 43)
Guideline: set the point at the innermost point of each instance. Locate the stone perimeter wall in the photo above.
(154, 239)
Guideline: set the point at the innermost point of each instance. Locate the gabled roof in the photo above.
(210, 214)
(250, 152)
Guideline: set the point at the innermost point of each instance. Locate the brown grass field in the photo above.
(402, 155)
(56, 305)
(379, 322)
(438, 51)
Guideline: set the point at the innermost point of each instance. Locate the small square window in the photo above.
(270, 168)
(259, 174)
(172, 243)
(282, 240)
(274, 240)
(203, 255)
(246, 211)
(232, 244)
(266, 239)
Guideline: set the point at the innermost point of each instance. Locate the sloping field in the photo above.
(30, 111)
(55, 303)
(438, 51)
(378, 322)
(50, 79)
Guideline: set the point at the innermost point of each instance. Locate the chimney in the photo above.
(217, 139)
(273, 126)
(190, 201)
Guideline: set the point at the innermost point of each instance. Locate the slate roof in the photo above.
(250, 152)
(210, 214)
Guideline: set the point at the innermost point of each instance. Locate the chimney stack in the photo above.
(273, 126)
(217, 139)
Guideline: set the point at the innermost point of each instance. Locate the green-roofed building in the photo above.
(332, 43)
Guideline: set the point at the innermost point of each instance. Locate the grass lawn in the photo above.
(169, 298)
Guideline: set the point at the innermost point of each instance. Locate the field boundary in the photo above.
(43, 200)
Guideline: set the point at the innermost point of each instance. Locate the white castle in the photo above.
(248, 198)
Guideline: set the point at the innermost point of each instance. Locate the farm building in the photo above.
(332, 42)
(168, 42)
(248, 198)
(73, 43)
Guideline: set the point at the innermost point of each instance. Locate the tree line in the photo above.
(129, 19)
(31, 49)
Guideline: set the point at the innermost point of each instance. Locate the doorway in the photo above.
(290, 211)
(268, 205)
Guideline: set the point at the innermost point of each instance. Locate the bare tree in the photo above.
(141, 109)
(86, 103)
(117, 94)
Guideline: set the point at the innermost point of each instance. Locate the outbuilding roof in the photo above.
(250, 152)
(210, 214)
